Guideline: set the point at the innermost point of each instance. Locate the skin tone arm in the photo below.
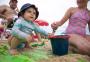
(2, 16)
(63, 20)
(2, 26)
(17, 9)
(39, 36)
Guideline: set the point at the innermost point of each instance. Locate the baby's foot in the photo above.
(14, 52)
(27, 48)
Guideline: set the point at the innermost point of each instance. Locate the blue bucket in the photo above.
(59, 44)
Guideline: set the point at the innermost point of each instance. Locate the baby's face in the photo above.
(30, 14)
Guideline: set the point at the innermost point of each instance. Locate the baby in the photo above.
(24, 26)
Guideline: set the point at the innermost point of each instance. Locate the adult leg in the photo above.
(80, 44)
(87, 37)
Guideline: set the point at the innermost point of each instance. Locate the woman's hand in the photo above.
(54, 25)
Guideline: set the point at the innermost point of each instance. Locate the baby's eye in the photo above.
(29, 11)
(34, 12)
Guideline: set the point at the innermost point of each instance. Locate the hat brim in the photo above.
(19, 14)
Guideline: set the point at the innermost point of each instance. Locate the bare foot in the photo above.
(27, 48)
(14, 52)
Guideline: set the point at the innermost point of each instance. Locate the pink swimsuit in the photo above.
(78, 22)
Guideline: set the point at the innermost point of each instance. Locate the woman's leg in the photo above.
(79, 44)
(88, 37)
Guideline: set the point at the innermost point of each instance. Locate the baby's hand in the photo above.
(29, 38)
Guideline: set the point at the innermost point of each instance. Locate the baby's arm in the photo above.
(39, 36)
(41, 31)
(17, 32)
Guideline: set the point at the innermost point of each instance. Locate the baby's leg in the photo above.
(27, 46)
(9, 40)
(27, 43)
(13, 46)
(80, 44)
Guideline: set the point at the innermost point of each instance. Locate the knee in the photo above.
(84, 50)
